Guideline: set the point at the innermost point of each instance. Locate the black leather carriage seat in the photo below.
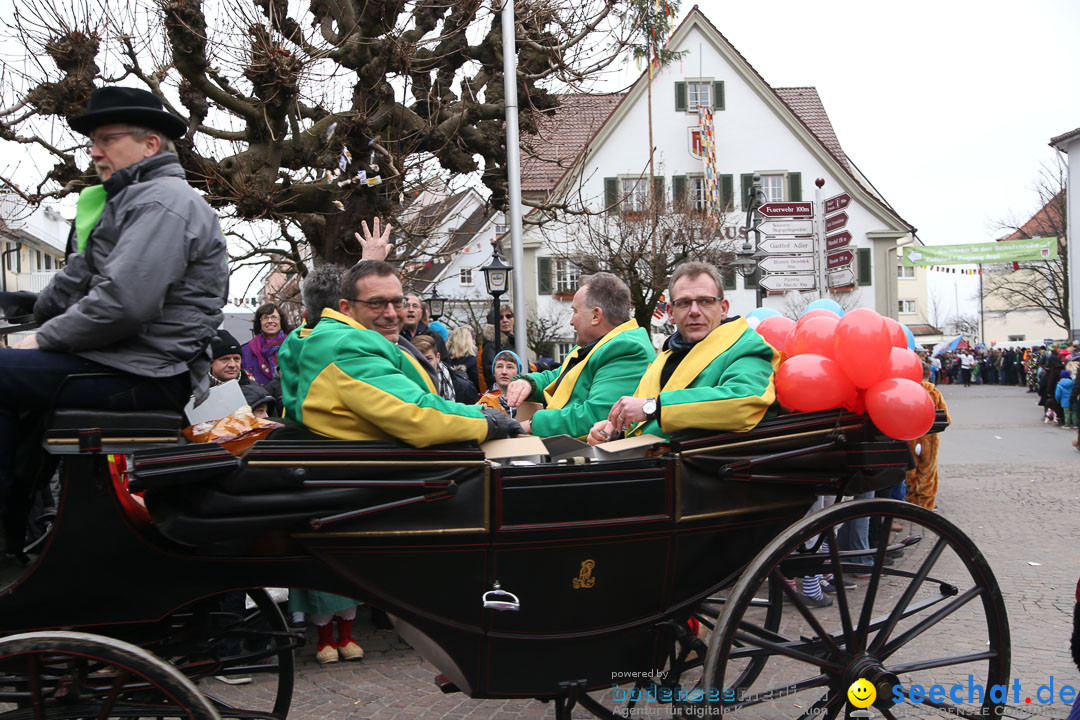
(200, 494)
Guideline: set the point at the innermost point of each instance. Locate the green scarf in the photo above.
(88, 209)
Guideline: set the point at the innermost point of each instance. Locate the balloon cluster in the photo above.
(857, 360)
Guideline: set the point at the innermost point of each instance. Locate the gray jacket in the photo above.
(146, 294)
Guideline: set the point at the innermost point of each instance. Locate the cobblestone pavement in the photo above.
(1008, 481)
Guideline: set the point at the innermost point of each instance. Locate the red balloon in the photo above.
(813, 382)
(903, 363)
(775, 330)
(789, 342)
(816, 337)
(815, 313)
(862, 346)
(900, 408)
(896, 332)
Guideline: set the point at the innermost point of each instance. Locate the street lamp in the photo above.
(496, 277)
(747, 257)
(436, 304)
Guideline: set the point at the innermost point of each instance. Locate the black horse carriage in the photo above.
(604, 586)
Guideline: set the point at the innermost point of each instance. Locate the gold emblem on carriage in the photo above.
(585, 579)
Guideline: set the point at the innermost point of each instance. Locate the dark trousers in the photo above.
(30, 384)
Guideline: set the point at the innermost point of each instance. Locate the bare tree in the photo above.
(965, 324)
(795, 302)
(1042, 284)
(544, 330)
(307, 117)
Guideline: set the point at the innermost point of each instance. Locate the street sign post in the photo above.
(787, 246)
(787, 209)
(837, 241)
(835, 222)
(781, 283)
(787, 227)
(841, 278)
(839, 259)
(837, 202)
(787, 263)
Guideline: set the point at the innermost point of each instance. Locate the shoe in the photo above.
(896, 526)
(351, 651)
(327, 654)
(824, 601)
(831, 588)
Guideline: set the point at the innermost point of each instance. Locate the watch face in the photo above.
(649, 406)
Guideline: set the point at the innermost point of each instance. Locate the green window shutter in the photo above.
(680, 96)
(729, 278)
(794, 186)
(747, 182)
(658, 190)
(865, 271)
(751, 281)
(543, 275)
(718, 95)
(678, 191)
(727, 190)
(611, 194)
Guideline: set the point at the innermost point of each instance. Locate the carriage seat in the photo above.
(199, 494)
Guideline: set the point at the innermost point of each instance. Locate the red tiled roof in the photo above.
(561, 137)
(806, 104)
(1048, 222)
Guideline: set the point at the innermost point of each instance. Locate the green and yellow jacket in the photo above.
(725, 382)
(345, 381)
(589, 388)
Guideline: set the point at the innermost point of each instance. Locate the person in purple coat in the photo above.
(260, 353)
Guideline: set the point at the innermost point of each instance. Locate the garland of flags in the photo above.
(708, 159)
(953, 270)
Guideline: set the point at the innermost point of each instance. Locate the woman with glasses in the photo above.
(486, 359)
(260, 353)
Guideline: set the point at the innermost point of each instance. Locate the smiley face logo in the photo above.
(862, 693)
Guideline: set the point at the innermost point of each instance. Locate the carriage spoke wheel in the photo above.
(926, 610)
(62, 675)
(225, 636)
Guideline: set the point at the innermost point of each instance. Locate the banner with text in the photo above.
(1006, 251)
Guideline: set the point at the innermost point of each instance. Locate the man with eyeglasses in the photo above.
(142, 291)
(611, 355)
(715, 372)
(348, 378)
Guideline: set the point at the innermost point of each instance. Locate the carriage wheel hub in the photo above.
(870, 668)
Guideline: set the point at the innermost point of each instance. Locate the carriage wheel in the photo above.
(219, 636)
(61, 675)
(927, 611)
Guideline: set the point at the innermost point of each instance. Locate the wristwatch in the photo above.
(651, 408)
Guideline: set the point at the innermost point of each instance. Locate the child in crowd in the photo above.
(1063, 395)
(507, 365)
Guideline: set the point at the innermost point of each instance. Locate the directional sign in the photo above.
(779, 283)
(837, 241)
(835, 222)
(837, 202)
(787, 227)
(787, 209)
(840, 278)
(787, 246)
(839, 259)
(787, 263)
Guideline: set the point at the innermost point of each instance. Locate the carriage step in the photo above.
(445, 685)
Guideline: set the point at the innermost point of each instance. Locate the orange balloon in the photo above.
(812, 382)
(816, 337)
(775, 330)
(862, 346)
(900, 408)
(903, 363)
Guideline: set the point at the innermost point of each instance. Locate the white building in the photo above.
(594, 153)
(1069, 143)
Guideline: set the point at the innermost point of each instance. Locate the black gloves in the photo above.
(18, 307)
(501, 426)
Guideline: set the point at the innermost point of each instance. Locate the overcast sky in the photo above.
(946, 106)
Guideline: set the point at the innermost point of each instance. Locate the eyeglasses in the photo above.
(705, 302)
(379, 304)
(508, 316)
(104, 141)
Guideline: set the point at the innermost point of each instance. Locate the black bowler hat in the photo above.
(131, 106)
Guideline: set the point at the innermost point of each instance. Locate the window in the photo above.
(773, 187)
(566, 277)
(689, 94)
(635, 194)
(501, 230)
(865, 274)
(907, 307)
(564, 350)
(1017, 338)
(695, 200)
(466, 277)
(48, 262)
(697, 93)
(905, 272)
